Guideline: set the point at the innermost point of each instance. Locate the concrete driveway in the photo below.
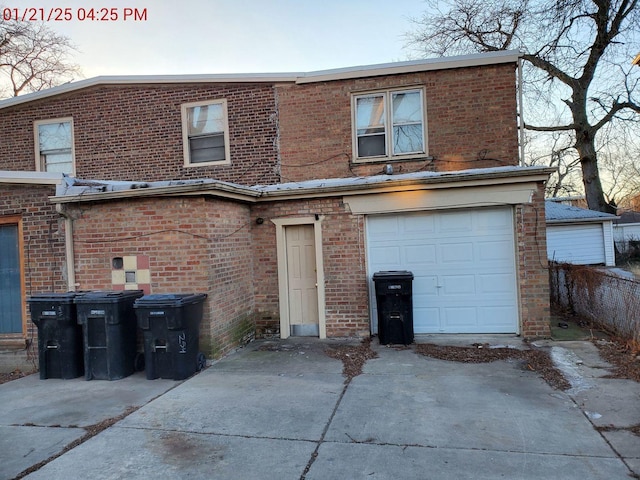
(283, 410)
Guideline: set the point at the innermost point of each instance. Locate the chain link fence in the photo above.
(603, 297)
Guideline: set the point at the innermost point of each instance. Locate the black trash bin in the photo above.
(59, 336)
(394, 299)
(170, 326)
(109, 333)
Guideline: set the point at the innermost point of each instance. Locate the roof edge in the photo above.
(424, 65)
(362, 71)
(218, 189)
(30, 178)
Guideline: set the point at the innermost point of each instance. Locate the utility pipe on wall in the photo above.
(68, 247)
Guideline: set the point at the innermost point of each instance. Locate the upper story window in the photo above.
(389, 124)
(54, 146)
(205, 133)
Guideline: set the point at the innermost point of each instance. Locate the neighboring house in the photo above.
(626, 232)
(280, 195)
(580, 236)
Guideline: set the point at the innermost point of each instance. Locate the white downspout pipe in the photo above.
(68, 247)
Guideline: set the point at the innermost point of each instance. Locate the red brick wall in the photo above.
(343, 250)
(533, 267)
(346, 293)
(471, 116)
(135, 132)
(194, 245)
(43, 254)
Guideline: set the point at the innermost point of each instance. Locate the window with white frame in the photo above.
(54, 146)
(205, 133)
(389, 124)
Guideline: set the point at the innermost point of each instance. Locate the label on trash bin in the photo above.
(395, 287)
(97, 312)
(49, 313)
(157, 314)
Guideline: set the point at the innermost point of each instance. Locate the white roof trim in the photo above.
(33, 178)
(362, 71)
(443, 63)
(76, 190)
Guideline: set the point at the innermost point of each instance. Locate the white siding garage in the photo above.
(463, 262)
(579, 236)
(578, 244)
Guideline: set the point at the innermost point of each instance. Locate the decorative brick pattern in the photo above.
(133, 274)
(193, 245)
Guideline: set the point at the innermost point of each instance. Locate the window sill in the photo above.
(208, 164)
(13, 342)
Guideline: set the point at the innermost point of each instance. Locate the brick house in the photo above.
(279, 195)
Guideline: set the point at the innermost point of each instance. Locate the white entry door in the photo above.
(302, 280)
(464, 266)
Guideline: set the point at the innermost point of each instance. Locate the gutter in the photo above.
(30, 178)
(316, 189)
(411, 184)
(220, 190)
(579, 221)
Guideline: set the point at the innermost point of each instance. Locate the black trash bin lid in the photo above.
(55, 297)
(107, 296)
(160, 300)
(393, 275)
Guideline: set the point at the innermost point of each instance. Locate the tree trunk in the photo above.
(590, 175)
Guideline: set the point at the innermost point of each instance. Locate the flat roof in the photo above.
(362, 71)
(73, 190)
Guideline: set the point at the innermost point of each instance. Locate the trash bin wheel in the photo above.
(139, 362)
(202, 361)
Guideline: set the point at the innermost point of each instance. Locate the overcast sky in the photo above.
(232, 36)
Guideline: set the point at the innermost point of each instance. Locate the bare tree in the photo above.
(32, 57)
(577, 56)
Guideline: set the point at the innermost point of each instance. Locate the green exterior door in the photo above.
(10, 291)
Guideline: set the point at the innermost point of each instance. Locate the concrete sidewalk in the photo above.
(282, 410)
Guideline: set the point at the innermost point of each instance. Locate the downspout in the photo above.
(520, 109)
(68, 246)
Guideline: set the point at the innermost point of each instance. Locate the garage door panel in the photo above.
(424, 285)
(456, 222)
(457, 285)
(426, 320)
(495, 251)
(418, 226)
(459, 319)
(498, 317)
(493, 284)
(390, 255)
(456, 253)
(463, 264)
(420, 254)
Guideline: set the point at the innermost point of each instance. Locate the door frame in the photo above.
(17, 220)
(283, 280)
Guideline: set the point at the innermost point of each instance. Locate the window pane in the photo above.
(371, 146)
(370, 115)
(55, 136)
(407, 108)
(407, 139)
(207, 148)
(206, 119)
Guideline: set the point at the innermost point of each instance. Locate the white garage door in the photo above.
(463, 263)
(579, 244)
